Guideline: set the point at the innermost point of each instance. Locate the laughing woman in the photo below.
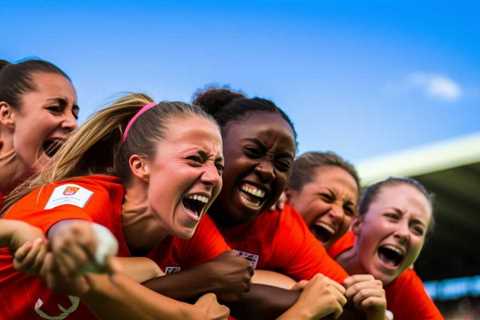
(395, 216)
(259, 146)
(165, 180)
(38, 109)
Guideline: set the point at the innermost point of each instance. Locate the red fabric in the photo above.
(406, 295)
(206, 244)
(283, 243)
(19, 292)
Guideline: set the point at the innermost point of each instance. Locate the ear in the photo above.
(7, 115)
(139, 167)
(356, 225)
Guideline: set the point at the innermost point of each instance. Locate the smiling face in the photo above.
(392, 232)
(327, 203)
(259, 152)
(44, 119)
(185, 174)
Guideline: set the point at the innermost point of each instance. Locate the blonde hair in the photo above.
(97, 148)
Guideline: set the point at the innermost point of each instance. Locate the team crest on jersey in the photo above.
(70, 190)
(68, 194)
(252, 258)
(172, 269)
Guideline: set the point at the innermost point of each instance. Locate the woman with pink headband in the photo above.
(85, 213)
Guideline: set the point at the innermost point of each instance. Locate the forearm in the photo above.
(263, 302)
(272, 278)
(123, 298)
(140, 269)
(7, 228)
(184, 285)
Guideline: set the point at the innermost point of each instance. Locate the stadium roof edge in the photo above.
(421, 160)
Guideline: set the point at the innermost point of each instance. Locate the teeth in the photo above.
(198, 197)
(391, 247)
(254, 191)
(327, 227)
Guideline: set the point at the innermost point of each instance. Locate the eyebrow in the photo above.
(262, 145)
(415, 220)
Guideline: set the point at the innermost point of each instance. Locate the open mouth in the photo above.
(322, 232)
(390, 255)
(253, 196)
(196, 203)
(51, 146)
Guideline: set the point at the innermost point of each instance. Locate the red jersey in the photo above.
(94, 198)
(406, 295)
(175, 254)
(281, 241)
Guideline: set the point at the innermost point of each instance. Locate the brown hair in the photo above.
(304, 167)
(16, 78)
(96, 146)
(370, 194)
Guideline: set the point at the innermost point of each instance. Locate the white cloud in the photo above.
(436, 86)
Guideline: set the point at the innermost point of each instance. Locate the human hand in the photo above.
(321, 297)
(367, 294)
(77, 248)
(208, 308)
(229, 274)
(30, 256)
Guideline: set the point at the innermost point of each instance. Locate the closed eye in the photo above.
(392, 216)
(195, 160)
(252, 152)
(327, 197)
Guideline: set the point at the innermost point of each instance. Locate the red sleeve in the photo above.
(301, 255)
(94, 204)
(206, 244)
(408, 300)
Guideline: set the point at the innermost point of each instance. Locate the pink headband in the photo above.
(130, 123)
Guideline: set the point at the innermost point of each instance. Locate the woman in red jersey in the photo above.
(38, 110)
(259, 145)
(395, 216)
(76, 200)
(324, 188)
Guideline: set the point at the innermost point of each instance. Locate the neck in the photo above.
(12, 171)
(349, 260)
(140, 225)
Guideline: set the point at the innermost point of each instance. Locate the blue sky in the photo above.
(360, 79)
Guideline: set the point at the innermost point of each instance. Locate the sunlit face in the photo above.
(259, 152)
(185, 174)
(44, 119)
(392, 232)
(327, 203)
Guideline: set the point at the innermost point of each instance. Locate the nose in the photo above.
(69, 122)
(265, 171)
(211, 176)
(336, 213)
(402, 232)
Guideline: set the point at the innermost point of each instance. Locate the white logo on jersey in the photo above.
(175, 269)
(65, 312)
(68, 194)
(252, 258)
